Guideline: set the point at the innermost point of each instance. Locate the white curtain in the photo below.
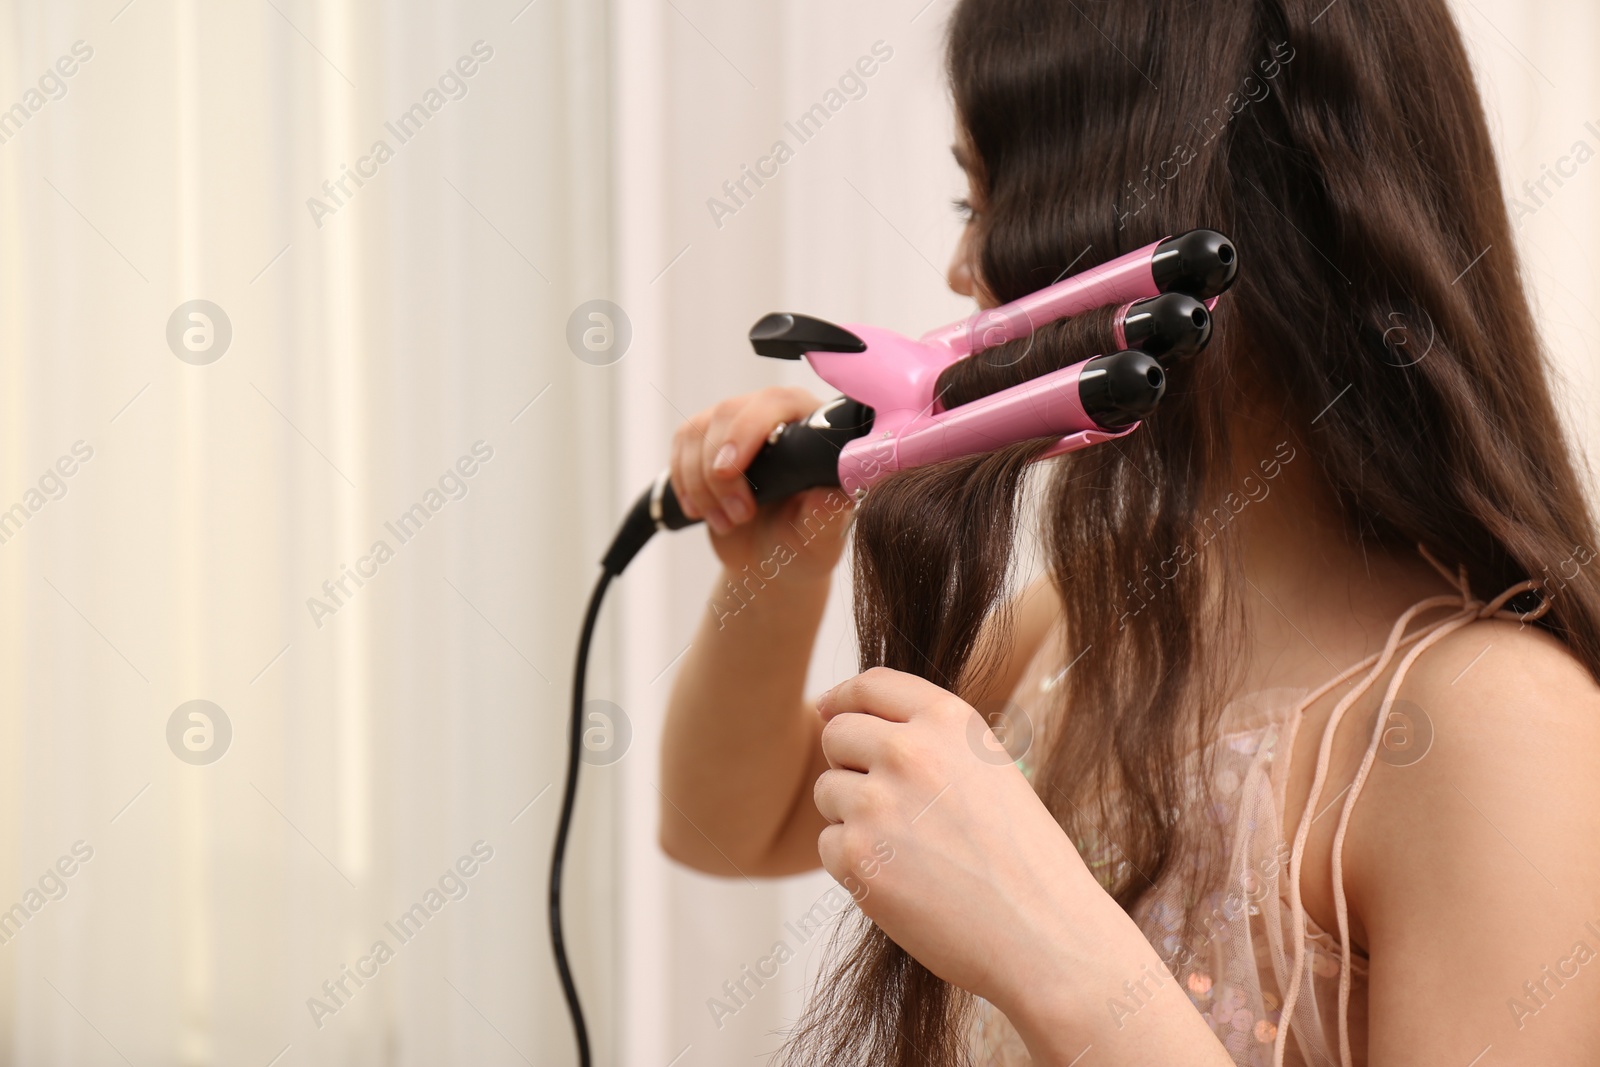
(185, 520)
(378, 335)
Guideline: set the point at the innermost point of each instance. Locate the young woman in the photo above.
(1314, 766)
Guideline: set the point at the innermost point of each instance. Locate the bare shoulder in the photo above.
(1507, 704)
(1492, 828)
(1508, 725)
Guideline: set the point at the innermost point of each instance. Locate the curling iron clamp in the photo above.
(890, 419)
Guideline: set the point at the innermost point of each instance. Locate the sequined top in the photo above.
(1249, 945)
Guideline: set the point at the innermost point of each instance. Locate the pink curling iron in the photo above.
(890, 419)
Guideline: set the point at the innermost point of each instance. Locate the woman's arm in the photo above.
(740, 741)
(741, 749)
(1474, 873)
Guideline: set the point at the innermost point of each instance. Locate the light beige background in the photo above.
(368, 353)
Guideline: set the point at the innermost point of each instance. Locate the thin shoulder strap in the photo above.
(1376, 665)
(1468, 610)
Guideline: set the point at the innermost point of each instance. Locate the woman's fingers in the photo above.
(887, 694)
(856, 742)
(711, 451)
(738, 434)
(683, 458)
(720, 463)
(688, 476)
(840, 794)
(749, 425)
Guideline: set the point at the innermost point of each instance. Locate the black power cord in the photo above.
(569, 799)
(803, 455)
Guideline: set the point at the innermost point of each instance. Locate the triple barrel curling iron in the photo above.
(890, 418)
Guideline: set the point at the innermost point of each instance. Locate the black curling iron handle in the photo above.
(798, 456)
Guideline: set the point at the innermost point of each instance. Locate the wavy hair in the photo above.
(1379, 312)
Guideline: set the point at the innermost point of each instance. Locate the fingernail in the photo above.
(717, 521)
(737, 509)
(725, 457)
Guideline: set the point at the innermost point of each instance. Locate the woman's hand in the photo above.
(945, 846)
(942, 840)
(709, 455)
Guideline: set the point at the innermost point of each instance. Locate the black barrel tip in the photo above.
(1170, 326)
(1200, 263)
(1120, 389)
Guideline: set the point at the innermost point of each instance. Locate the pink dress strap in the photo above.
(1223, 939)
(1468, 610)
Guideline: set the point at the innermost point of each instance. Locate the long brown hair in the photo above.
(1379, 308)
